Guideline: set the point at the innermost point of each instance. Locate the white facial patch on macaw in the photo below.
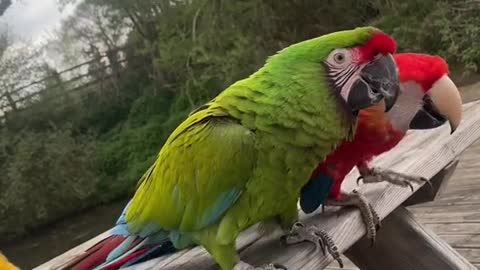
(409, 102)
(343, 69)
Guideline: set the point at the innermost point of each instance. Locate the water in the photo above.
(47, 243)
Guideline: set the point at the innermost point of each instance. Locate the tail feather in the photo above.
(158, 239)
(97, 252)
(155, 252)
(120, 263)
(96, 255)
(123, 248)
(79, 258)
(136, 245)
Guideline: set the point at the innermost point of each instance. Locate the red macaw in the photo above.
(428, 98)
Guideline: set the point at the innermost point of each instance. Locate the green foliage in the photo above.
(44, 176)
(180, 55)
(446, 28)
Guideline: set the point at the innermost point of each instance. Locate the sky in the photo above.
(32, 19)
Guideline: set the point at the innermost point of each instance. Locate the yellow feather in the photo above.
(5, 264)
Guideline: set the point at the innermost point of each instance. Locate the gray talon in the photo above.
(272, 266)
(369, 215)
(395, 178)
(322, 241)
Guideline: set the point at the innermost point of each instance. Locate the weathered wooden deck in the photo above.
(454, 216)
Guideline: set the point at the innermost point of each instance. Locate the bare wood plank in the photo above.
(465, 240)
(422, 153)
(347, 265)
(471, 170)
(467, 245)
(470, 92)
(452, 217)
(403, 243)
(60, 260)
(470, 254)
(444, 228)
(464, 188)
(467, 208)
(451, 201)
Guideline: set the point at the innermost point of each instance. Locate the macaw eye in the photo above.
(339, 58)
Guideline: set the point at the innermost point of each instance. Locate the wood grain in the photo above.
(403, 243)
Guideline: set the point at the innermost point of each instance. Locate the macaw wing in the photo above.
(315, 192)
(200, 173)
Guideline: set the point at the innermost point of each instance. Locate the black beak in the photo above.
(428, 116)
(378, 79)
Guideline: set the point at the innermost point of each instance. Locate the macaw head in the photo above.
(356, 65)
(428, 75)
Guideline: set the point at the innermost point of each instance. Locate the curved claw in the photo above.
(279, 266)
(358, 179)
(320, 244)
(427, 181)
(271, 266)
(410, 185)
(340, 262)
(297, 225)
(321, 240)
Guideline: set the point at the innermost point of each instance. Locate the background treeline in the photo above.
(62, 152)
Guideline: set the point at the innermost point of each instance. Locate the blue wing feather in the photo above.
(223, 203)
(121, 227)
(315, 192)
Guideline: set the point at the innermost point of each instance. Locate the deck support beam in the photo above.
(438, 183)
(402, 243)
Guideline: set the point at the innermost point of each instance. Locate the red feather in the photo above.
(375, 135)
(120, 263)
(95, 255)
(421, 68)
(380, 43)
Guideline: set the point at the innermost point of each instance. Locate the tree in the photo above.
(19, 66)
(4, 4)
(89, 30)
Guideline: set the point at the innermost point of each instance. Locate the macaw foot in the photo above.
(375, 175)
(245, 266)
(300, 233)
(369, 215)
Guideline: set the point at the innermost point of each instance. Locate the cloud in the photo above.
(31, 19)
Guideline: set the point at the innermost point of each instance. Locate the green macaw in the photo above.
(243, 158)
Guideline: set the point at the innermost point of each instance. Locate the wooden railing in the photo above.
(80, 77)
(403, 243)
